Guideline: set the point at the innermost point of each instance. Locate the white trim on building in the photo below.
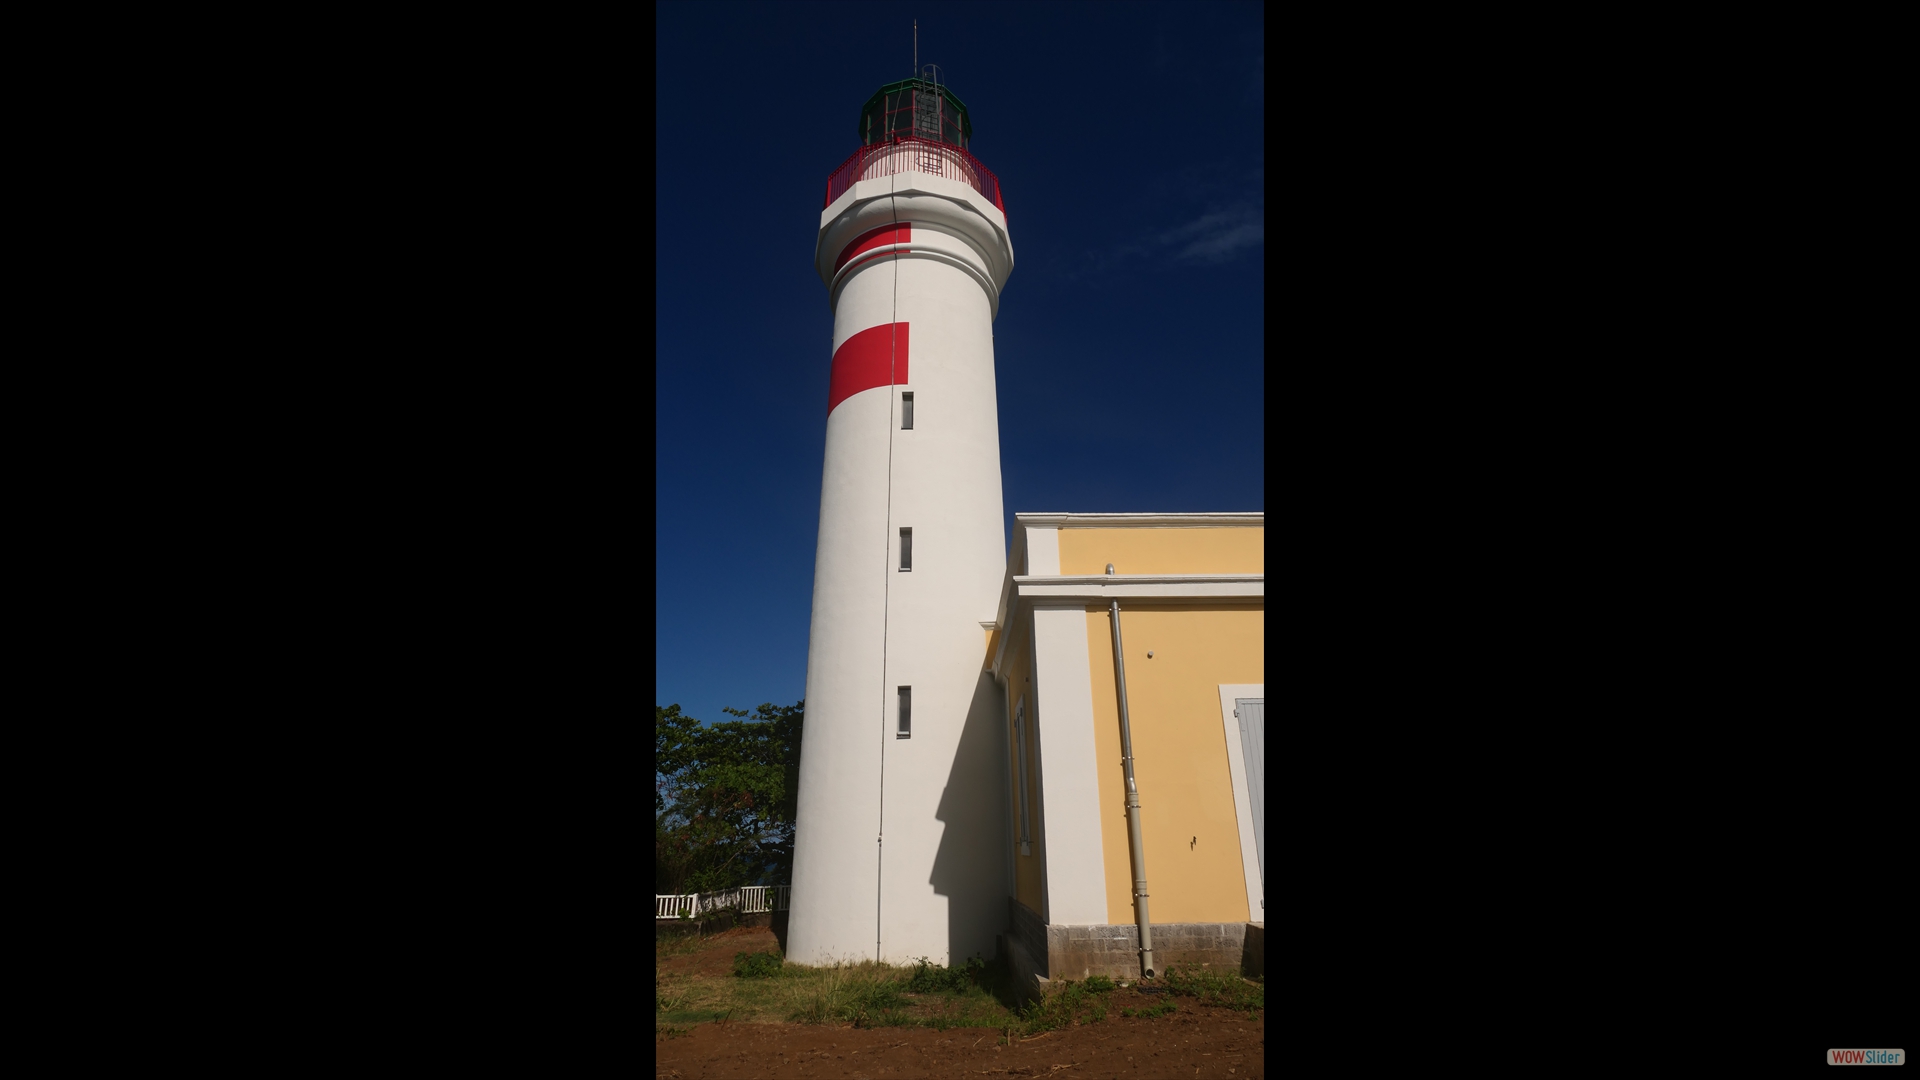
(1242, 796)
(1063, 689)
(1141, 521)
(1043, 552)
(1028, 591)
(1102, 589)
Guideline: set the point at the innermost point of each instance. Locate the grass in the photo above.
(1065, 1006)
(677, 946)
(975, 994)
(865, 993)
(756, 965)
(871, 994)
(1076, 1003)
(1218, 988)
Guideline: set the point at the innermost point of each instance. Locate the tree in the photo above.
(724, 798)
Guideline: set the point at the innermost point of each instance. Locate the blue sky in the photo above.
(1129, 140)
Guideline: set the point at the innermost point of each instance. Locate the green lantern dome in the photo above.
(917, 107)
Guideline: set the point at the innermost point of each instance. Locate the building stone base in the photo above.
(1077, 952)
(1253, 962)
(1028, 982)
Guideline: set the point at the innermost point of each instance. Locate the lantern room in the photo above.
(915, 107)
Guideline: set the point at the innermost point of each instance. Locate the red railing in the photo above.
(910, 153)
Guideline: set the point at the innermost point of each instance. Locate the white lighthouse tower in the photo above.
(899, 840)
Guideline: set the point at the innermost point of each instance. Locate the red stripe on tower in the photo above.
(886, 234)
(873, 357)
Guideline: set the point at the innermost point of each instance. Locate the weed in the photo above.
(677, 946)
(1218, 988)
(973, 976)
(695, 1016)
(756, 965)
(1152, 1011)
(1099, 984)
(671, 1000)
(1062, 1008)
(885, 995)
(878, 1002)
(820, 1000)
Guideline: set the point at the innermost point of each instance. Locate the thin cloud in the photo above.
(1216, 237)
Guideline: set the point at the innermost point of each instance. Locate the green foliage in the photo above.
(724, 798)
(693, 1016)
(974, 976)
(1099, 984)
(1152, 1011)
(820, 999)
(867, 993)
(888, 1018)
(1221, 988)
(873, 995)
(677, 1005)
(880, 996)
(763, 965)
(1065, 1006)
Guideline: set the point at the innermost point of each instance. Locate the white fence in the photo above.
(749, 900)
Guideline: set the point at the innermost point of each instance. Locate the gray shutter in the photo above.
(1252, 713)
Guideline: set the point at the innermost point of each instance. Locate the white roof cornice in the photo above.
(1101, 587)
(1108, 521)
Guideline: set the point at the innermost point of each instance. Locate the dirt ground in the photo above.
(1195, 1041)
(715, 955)
(1185, 1044)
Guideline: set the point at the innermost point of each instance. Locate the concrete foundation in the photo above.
(1076, 952)
(1029, 983)
(1253, 961)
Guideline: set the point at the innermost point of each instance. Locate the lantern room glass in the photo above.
(915, 107)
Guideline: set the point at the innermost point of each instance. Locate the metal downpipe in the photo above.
(1133, 805)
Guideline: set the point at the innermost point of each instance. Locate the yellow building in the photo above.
(1188, 590)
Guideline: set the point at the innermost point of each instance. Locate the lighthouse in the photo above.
(899, 836)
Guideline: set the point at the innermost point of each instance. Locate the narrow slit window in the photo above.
(906, 713)
(906, 549)
(906, 412)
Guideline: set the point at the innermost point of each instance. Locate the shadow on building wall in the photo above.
(970, 868)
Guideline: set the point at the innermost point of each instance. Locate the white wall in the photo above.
(940, 884)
